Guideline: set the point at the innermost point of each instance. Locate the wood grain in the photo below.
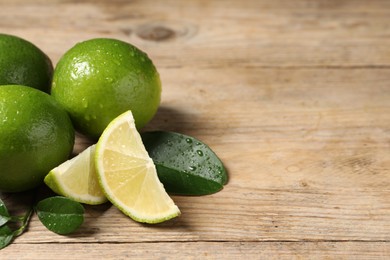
(204, 250)
(293, 96)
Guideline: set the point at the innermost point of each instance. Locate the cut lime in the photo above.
(128, 175)
(77, 180)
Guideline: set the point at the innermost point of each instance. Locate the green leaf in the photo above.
(24, 222)
(6, 236)
(60, 215)
(4, 215)
(185, 165)
(6, 233)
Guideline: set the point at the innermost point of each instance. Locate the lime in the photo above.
(36, 135)
(23, 63)
(99, 79)
(76, 179)
(128, 176)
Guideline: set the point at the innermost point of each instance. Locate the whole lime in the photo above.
(36, 134)
(22, 63)
(99, 79)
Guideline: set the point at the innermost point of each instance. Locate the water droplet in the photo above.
(188, 140)
(84, 102)
(192, 168)
(199, 152)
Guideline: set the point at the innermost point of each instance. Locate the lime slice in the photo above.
(77, 180)
(128, 175)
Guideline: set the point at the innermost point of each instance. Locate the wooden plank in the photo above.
(248, 33)
(307, 159)
(292, 95)
(201, 250)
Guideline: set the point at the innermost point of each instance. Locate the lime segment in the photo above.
(128, 176)
(77, 180)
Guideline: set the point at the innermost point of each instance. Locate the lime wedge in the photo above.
(128, 175)
(77, 180)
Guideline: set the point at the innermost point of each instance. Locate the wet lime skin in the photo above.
(23, 63)
(36, 134)
(99, 79)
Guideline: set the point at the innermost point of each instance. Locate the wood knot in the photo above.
(155, 33)
(166, 31)
(293, 168)
(304, 184)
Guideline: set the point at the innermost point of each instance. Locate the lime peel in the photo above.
(99, 79)
(36, 135)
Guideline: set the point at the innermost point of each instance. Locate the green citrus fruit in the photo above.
(99, 79)
(128, 175)
(22, 63)
(76, 179)
(36, 135)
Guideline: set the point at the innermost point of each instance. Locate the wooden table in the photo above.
(294, 96)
